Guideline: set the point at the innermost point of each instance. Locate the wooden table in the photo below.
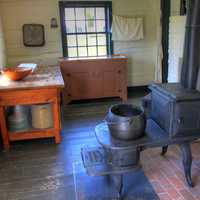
(43, 86)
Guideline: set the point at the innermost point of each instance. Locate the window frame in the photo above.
(86, 4)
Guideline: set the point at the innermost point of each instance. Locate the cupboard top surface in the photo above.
(42, 77)
(114, 57)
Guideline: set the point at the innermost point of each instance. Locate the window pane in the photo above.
(80, 13)
(80, 26)
(101, 26)
(71, 40)
(69, 14)
(101, 38)
(86, 31)
(100, 13)
(81, 40)
(82, 51)
(70, 26)
(102, 51)
(72, 52)
(92, 39)
(92, 51)
(90, 13)
(90, 26)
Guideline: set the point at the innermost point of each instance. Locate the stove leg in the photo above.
(118, 181)
(164, 150)
(187, 162)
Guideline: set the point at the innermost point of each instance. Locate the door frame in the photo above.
(165, 9)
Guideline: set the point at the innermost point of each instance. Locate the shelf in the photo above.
(31, 134)
(25, 96)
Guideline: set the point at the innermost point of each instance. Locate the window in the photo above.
(86, 28)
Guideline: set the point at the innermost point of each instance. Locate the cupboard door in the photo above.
(96, 86)
(84, 85)
(110, 83)
(113, 76)
(79, 85)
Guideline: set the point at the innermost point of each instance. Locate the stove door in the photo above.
(186, 118)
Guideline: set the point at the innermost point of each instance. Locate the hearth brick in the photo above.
(167, 176)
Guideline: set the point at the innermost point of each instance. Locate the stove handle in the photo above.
(180, 120)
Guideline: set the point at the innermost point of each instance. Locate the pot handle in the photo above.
(130, 121)
(108, 121)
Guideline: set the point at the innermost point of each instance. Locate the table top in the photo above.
(42, 77)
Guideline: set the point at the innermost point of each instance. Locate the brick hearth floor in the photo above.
(166, 173)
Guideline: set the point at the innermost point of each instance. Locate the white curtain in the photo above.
(159, 49)
(176, 46)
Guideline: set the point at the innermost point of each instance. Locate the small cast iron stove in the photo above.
(116, 157)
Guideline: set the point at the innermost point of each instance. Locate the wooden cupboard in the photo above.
(91, 78)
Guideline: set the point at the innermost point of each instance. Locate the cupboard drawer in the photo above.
(32, 96)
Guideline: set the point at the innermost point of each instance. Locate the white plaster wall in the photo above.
(15, 13)
(2, 47)
(176, 45)
(142, 54)
(175, 7)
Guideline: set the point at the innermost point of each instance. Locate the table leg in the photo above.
(118, 181)
(56, 114)
(3, 128)
(164, 150)
(187, 162)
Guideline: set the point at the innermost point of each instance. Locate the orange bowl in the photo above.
(16, 73)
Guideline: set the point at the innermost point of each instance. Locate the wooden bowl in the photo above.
(16, 73)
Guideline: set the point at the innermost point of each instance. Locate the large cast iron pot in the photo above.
(125, 121)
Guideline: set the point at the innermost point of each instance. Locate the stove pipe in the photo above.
(191, 55)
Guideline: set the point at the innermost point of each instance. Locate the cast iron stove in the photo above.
(116, 157)
(173, 117)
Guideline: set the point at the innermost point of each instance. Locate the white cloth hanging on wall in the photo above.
(127, 28)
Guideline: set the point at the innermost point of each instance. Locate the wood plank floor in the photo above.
(28, 171)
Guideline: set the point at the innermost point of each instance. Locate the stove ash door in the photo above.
(178, 118)
(186, 118)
